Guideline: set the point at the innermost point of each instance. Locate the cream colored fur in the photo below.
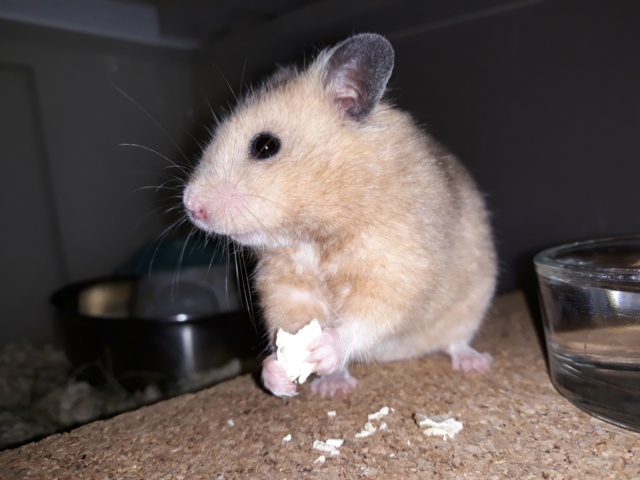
(369, 226)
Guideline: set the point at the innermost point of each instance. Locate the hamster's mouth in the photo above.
(260, 239)
(250, 239)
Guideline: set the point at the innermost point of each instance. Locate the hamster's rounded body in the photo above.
(359, 219)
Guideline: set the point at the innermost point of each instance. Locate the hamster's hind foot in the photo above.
(466, 359)
(340, 382)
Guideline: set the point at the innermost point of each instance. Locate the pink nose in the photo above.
(197, 213)
(195, 209)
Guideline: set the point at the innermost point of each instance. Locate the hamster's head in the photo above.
(288, 161)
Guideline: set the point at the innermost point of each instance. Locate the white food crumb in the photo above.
(369, 429)
(320, 459)
(437, 426)
(383, 412)
(332, 413)
(293, 351)
(330, 445)
(287, 438)
(231, 423)
(334, 442)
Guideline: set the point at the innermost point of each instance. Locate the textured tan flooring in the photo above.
(516, 426)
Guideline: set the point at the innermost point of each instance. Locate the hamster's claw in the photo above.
(275, 379)
(340, 382)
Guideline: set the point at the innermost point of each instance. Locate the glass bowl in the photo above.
(590, 299)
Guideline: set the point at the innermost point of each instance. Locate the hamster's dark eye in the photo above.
(264, 145)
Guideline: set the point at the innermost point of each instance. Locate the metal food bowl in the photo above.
(155, 328)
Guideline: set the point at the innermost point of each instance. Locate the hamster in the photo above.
(358, 218)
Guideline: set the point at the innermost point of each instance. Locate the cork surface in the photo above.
(515, 426)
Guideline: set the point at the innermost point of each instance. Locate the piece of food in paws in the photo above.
(293, 351)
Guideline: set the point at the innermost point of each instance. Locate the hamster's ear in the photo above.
(357, 73)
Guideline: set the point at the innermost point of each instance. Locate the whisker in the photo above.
(247, 289)
(244, 67)
(213, 114)
(161, 237)
(310, 278)
(178, 269)
(279, 205)
(266, 230)
(239, 286)
(175, 144)
(161, 208)
(162, 186)
(224, 77)
(149, 150)
(160, 173)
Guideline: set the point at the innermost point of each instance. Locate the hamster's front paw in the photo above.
(325, 353)
(274, 378)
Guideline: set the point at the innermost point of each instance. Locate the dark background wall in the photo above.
(543, 105)
(74, 203)
(539, 98)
